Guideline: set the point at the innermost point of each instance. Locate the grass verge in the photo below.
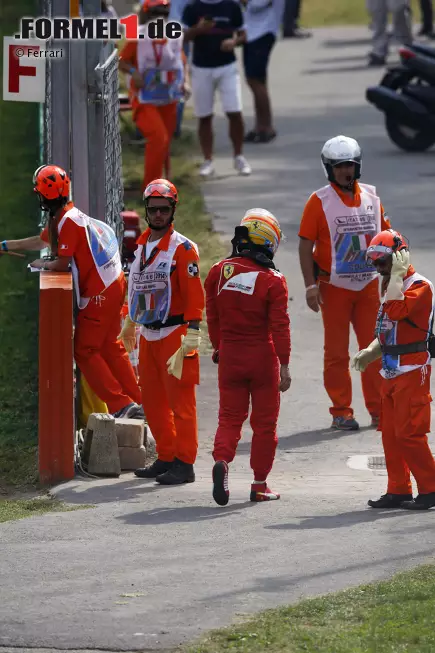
(394, 616)
(13, 509)
(19, 217)
(318, 13)
(191, 218)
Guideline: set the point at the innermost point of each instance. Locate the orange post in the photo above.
(56, 382)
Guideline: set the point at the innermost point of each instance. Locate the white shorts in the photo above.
(205, 82)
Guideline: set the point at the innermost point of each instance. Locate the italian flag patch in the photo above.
(361, 242)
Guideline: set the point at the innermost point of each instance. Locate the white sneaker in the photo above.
(242, 166)
(206, 169)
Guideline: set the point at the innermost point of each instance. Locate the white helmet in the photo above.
(341, 149)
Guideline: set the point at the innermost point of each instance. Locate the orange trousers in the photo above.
(99, 354)
(157, 124)
(405, 423)
(170, 404)
(340, 309)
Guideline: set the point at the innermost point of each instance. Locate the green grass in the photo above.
(323, 13)
(19, 217)
(395, 616)
(13, 509)
(191, 218)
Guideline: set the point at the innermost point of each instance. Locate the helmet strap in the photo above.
(160, 227)
(51, 206)
(349, 186)
(398, 242)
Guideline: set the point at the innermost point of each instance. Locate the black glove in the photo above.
(215, 357)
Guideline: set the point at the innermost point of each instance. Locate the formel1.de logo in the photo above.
(75, 29)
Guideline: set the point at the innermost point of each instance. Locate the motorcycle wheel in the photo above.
(408, 138)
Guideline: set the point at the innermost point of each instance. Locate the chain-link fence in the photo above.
(113, 187)
(80, 119)
(79, 124)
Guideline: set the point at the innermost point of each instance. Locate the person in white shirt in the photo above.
(262, 22)
(216, 29)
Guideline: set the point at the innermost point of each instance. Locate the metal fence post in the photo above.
(79, 126)
(95, 145)
(59, 95)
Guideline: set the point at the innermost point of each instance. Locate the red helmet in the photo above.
(51, 182)
(385, 243)
(161, 188)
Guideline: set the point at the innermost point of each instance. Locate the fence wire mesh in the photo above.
(107, 73)
(113, 186)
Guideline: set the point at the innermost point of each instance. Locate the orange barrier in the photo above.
(56, 380)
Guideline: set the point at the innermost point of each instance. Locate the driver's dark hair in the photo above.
(53, 232)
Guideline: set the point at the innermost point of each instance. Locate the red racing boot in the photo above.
(260, 492)
(221, 493)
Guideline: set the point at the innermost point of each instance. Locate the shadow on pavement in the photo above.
(305, 439)
(336, 69)
(184, 514)
(355, 57)
(278, 583)
(105, 493)
(345, 43)
(342, 520)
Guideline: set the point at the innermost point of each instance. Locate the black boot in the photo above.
(390, 501)
(158, 467)
(179, 473)
(421, 502)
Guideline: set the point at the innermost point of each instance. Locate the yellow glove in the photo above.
(366, 356)
(399, 269)
(128, 334)
(189, 343)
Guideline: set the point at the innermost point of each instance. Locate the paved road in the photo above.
(149, 568)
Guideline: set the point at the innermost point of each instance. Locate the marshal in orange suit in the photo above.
(338, 222)
(167, 298)
(159, 78)
(404, 324)
(90, 247)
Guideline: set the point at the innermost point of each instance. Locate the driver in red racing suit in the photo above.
(249, 328)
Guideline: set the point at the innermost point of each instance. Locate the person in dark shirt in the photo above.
(216, 29)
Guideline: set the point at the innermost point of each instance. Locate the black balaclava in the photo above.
(250, 250)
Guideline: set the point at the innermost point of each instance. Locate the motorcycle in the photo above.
(406, 95)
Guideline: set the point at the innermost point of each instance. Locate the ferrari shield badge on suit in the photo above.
(228, 271)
